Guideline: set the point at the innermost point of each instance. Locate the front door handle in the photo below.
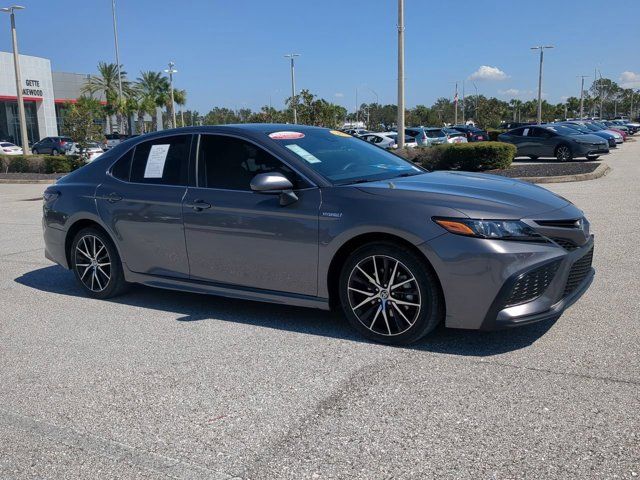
(199, 205)
(113, 197)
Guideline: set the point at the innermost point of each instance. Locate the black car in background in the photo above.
(473, 134)
(52, 146)
(559, 141)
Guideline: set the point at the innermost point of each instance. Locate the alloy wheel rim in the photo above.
(564, 153)
(384, 295)
(92, 263)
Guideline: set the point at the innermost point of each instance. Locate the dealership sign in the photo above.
(33, 89)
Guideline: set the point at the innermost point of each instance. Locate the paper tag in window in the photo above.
(286, 135)
(301, 152)
(339, 133)
(155, 161)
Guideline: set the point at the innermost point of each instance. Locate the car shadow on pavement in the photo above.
(192, 307)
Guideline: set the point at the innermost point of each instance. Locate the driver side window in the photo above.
(231, 163)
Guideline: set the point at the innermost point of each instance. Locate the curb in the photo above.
(24, 180)
(601, 171)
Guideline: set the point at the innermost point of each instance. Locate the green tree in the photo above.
(81, 122)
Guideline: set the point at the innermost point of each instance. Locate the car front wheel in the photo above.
(564, 153)
(389, 294)
(96, 264)
(591, 158)
(54, 152)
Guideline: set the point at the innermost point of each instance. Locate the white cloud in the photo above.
(630, 80)
(513, 92)
(488, 73)
(338, 95)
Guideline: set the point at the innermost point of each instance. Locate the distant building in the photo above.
(45, 93)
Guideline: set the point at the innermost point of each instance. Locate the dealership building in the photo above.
(45, 94)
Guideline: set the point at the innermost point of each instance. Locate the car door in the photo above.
(140, 201)
(44, 145)
(543, 142)
(244, 238)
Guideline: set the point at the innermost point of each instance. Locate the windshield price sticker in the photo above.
(155, 161)
(286, 135)
(301, 152)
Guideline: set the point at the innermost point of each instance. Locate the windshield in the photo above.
(579, 127)
(435, 133)
(342, 159)
(563, 130)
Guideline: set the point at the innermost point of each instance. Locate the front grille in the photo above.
(565, 243)
(532, 284)
(579, 270)
(571, 223)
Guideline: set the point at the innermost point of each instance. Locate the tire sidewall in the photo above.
(116, 282)
(431, 309)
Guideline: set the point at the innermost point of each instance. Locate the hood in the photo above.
(477, 195)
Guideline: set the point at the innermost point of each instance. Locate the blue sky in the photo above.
(230, 53)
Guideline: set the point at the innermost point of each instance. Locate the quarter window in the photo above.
(162, 161)
(231, 163)
(122, 168)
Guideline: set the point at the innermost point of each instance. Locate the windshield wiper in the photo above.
(357, 180)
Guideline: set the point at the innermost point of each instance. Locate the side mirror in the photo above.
(275, 183)
(270, 183)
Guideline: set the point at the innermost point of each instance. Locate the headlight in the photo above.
(496, 229)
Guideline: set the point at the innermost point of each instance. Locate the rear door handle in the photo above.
(113, 197)
(199, 205)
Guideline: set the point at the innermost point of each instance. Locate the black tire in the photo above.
(383, 319)
(533, 157)
(34, 151)
(54, 151)
(108, 281)
(564, 153)
(591, 158)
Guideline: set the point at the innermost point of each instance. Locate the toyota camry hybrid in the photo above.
(314, 217)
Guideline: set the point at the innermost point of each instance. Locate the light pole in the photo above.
(400, 141)
(455, 106)
(171, 71)
(115, 39)
(16, 64)
(291, 56)
(477, 115)
(541, 48)
(582, 77)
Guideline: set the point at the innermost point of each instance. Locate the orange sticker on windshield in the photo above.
(286, 135)
(339, 133)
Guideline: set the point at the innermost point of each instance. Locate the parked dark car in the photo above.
(559, 141)
(584, 128)
(473, 134)
(52, 146)
(314, 217)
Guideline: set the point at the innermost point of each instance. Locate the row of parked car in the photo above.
(423, 136)
(566, 140)
(61, 145)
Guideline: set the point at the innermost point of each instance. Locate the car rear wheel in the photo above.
(564, 153)
(389, 294)
(96, 264)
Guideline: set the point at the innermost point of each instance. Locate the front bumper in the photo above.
(478, 276)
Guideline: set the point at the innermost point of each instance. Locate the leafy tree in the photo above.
(80, 122)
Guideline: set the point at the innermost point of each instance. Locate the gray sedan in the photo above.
(314, 217)
(559, 141)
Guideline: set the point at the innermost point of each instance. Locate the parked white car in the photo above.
(454, 136)
(7, 148)
(91, 152)
(388, 140)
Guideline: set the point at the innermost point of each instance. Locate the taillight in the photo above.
(62, 142)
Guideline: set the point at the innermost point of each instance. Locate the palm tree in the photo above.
(180, 98)
(153, 91)
(106, 83)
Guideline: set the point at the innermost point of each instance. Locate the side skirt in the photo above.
(223, 290)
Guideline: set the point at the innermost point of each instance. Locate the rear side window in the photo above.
(122, 168)
(162, 161)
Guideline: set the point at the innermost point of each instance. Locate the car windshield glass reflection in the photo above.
(344, 160)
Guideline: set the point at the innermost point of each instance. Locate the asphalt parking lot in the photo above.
(159, 384)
